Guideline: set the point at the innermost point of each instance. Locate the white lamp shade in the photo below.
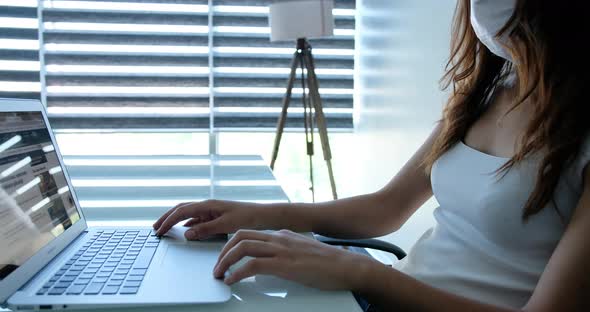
(295, 19)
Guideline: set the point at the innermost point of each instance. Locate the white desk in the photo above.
(228, 179)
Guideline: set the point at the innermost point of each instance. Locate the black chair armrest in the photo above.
(364, 243)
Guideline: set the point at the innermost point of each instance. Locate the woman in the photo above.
(507, 163)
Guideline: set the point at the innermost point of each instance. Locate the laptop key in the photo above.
(75, 289)
(63, 284)
(57, 291)
(128, 290)
(144, 258)
(131, 283)
(119, 277)
(42, 291)
(110, 290)
(100, 279)
(138, 272)
(82, 281)
(135, 278)
(93, 288)
(50, 283)
(114, 282)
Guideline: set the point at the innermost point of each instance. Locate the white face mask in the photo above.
(487, 18)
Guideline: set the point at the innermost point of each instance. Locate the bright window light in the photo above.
(247, 183)
(276, 110)
(253, 50)
(343, 12)
(261, 50)
(119, 27)
(334, 52)
(266, 30)
(272, 90)
(55, 170)
(18, 22)
(19, 44)
(10, 170)
(126, 69)
(281, 71)
(240, 163)
(242, 29)
(10, 143)
(126, 6)
(154, 203)
(20, 86)
(124, 48)
(20, 65)
(139, 182)
(48, 148)
(153, 162)
(147, 90)
(127, 110)
(20, 3)
(40, 204)
(136, 203)
(21, 190)
(237, 9)
(344, 32)
(240, 9)
(63, 190)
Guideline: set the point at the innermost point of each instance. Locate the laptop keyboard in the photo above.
(109, 263)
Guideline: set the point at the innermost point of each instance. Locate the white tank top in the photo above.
(479, 248)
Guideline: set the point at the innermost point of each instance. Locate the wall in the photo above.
(402, 48)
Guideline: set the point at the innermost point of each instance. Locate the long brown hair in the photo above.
(545, 41)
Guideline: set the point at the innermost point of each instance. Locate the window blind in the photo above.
(250, 73)
(181, 64)
(126, 64)
(19, 46)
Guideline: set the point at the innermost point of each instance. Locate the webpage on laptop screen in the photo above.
(35, 202)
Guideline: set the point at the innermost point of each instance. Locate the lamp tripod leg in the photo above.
(319, 117)
(283, 116)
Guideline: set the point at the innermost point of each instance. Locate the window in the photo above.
(189, 64)
(155, 77)
(19, 45)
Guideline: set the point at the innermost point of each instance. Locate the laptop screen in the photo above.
(35, 202)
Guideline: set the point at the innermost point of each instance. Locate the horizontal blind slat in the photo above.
(19, 53)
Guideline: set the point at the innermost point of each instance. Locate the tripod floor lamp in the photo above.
(298, 20)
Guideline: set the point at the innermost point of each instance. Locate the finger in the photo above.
(245, 248)
(193, 221)
(165, 215)
(181, 213)
(242, 235)
(207, 229)
(253, 267)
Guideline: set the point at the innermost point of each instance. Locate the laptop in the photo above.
(51, 259)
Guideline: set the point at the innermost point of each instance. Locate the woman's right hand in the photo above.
(210, 217)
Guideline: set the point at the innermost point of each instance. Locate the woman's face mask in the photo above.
(487, 18)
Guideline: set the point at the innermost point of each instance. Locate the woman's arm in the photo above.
(370, 215)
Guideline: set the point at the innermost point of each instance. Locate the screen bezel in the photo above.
(35, 263)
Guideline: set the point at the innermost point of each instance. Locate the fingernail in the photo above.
(191, 234)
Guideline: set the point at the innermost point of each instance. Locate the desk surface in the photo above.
(141, 188)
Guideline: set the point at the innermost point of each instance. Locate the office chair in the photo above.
(364, 243)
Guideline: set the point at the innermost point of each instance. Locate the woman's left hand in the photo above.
(294, 257)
